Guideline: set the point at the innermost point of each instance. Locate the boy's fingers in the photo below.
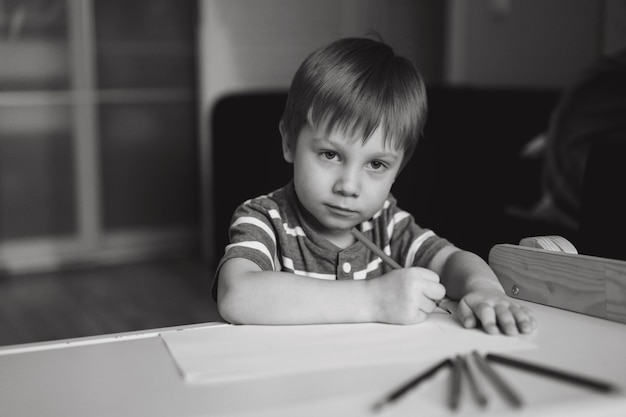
(506, 320)
(487, 316)
(466, 315)
(434, 291)
(525, 321)
(428, 275)
(496, 317)
(427, 305)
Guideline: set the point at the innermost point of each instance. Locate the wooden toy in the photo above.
(547, 270)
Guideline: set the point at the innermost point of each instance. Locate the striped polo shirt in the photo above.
(270, 231)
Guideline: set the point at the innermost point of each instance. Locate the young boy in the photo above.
(353, 116)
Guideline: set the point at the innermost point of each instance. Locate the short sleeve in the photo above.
(412, 244)
(252, 236)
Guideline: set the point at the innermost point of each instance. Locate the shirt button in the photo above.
(347, 267)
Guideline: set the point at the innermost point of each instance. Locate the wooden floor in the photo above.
(86, 302)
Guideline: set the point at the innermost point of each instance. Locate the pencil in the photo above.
(455, 384)
(499, 383)
(378, 251)
(479, 395)
(386, 258)
(413, 383)
(553, 373)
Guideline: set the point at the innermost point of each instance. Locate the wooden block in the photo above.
(581, 283)
(553, 243)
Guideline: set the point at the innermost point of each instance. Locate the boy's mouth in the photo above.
(342, 211)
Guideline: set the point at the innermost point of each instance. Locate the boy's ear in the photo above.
(287, 151)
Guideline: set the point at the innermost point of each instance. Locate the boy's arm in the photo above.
(247, 295)
(469, 279)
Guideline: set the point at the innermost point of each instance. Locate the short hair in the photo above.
(356, 85)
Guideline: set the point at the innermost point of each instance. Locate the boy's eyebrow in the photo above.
(392, 155)
(322, 139)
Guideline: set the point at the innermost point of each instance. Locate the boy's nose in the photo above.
(348, 184)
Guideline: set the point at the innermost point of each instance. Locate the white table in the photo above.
(133, 374)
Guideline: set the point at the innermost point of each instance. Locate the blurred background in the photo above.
(106, 202)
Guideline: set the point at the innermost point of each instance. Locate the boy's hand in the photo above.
(407, 295)
(496, 313)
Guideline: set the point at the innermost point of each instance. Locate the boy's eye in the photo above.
(329, 155)
(377, 165)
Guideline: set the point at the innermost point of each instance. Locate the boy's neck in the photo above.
(340, 238)
(343, 240)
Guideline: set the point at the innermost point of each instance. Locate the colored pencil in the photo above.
(477, 392)
(378, 251)
(386, 258)
(455, 385)
(500, 384)
(553, 373)
(413, 383)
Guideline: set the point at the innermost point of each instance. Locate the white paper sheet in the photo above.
(228, 353)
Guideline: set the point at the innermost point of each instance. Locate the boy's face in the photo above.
(341, 182)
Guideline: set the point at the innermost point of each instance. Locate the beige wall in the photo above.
(531, 43)
(259, 43)
(614, 25)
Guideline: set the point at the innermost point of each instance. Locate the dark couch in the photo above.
(464, 175)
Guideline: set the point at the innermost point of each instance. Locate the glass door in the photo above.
(98, 159)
